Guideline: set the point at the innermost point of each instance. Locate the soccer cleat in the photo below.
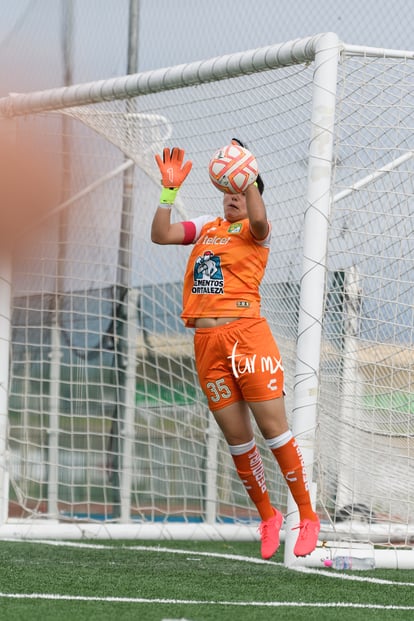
(269, 534)
(308, 537)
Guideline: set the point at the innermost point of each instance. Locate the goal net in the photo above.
(103, 429)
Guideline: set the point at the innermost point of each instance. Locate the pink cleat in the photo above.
(270, 534)
(308, 537)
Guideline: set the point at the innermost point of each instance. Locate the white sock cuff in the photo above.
(239, 449)
(284, 438)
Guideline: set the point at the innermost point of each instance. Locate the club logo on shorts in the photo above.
(242, 363)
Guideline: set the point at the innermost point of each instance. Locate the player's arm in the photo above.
(173, 173)
(165, 232)
(256, 212)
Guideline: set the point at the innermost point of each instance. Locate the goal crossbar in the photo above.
(214, 69)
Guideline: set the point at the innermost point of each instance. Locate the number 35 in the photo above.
(219, 390)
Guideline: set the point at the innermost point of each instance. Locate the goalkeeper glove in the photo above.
(173, 173)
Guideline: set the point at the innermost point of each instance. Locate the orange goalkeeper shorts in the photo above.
(239, 361)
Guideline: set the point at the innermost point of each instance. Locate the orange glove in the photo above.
(173, 172)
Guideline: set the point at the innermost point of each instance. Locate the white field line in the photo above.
(329, 573)
(141, 600)
(235, 557)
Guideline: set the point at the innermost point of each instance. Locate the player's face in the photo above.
(234, 206)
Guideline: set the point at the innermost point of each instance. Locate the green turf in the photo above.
(198, 585)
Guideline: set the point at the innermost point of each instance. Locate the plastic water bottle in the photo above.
(350, 562)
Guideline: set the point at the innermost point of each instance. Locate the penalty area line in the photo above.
(141, 600)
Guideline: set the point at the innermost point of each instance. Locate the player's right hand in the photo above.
(172, 167)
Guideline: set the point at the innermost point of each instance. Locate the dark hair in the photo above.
(259, 180)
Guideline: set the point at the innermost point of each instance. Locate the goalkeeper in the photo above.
(237, 359)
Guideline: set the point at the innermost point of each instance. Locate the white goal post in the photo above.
(103, 429)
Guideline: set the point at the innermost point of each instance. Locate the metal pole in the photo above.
(56, 353)
(349, 410)
(125, 363)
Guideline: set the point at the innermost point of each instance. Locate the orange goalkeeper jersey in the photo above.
(224, 271)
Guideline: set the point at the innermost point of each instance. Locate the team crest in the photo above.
(236, 227)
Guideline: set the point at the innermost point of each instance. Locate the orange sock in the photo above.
(289, 458)
(250, 469)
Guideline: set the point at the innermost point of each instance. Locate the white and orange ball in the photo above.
(232, 169)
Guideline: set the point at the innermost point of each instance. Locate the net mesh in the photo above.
(90, 282)
(368, 370)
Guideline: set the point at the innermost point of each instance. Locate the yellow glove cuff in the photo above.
(168, 196)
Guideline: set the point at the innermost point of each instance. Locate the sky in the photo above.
(176, 31)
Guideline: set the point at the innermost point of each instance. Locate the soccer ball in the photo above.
(232, 169)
